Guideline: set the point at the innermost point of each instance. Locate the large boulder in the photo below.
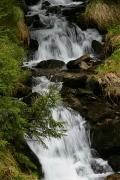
(114, 162)
(106, 136)
(51, 64)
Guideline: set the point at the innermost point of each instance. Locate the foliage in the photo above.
(41, 116)
(25, 162)
(9, 169)
(106, 13)
(108, 73)
(12, 120)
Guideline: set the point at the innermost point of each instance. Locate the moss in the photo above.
(9, 169)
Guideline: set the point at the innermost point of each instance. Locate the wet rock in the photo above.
(98, 49)
(54, 9)
(84, 66)
(92, 108)
(66, 10)
(31, 2)
(106, 137)
(74, 83)
(36, 22)
(79, 63)
(114, 162)
(55, 75)
(93, 85)
(71, 10)
(114, 177)
(33, 45)
(51, 64)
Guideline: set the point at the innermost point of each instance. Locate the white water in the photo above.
(60, 40)
(70, 157)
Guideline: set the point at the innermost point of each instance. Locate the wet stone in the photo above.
(51, 64)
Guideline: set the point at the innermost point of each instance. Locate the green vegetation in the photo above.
(106, 15)
(16, 117)
(41, 116)
(9, 168)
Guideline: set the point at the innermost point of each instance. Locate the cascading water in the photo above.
(59, 39)
(68, 158)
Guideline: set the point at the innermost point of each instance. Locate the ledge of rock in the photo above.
(107, 134)
(114, 177)
(51, 64)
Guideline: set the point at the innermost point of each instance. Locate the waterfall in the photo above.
(68, 158)
(59, 39)
(71, 157)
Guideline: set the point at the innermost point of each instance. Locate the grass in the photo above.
(106, 15)
(103, 13)
(108, 73)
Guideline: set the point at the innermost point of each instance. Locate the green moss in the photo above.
(9, 169)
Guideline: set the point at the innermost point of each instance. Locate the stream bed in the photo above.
(71, 157)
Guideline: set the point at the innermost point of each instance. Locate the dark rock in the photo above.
(54, 9)
(30, 98)
(45, 5)
(36, 22)
(92, 108)
(98, 49)
(114, 162)
(76, 64)
(23, 91)
(71, 10)
(93, 85)
(55, 75)
(33, 45)
(74, 83)
(67, 10)
(51, 64)
(31, 2)
(114, 177)
(106, 137)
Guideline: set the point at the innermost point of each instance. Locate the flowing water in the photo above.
(71, 157)
(60, 39)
